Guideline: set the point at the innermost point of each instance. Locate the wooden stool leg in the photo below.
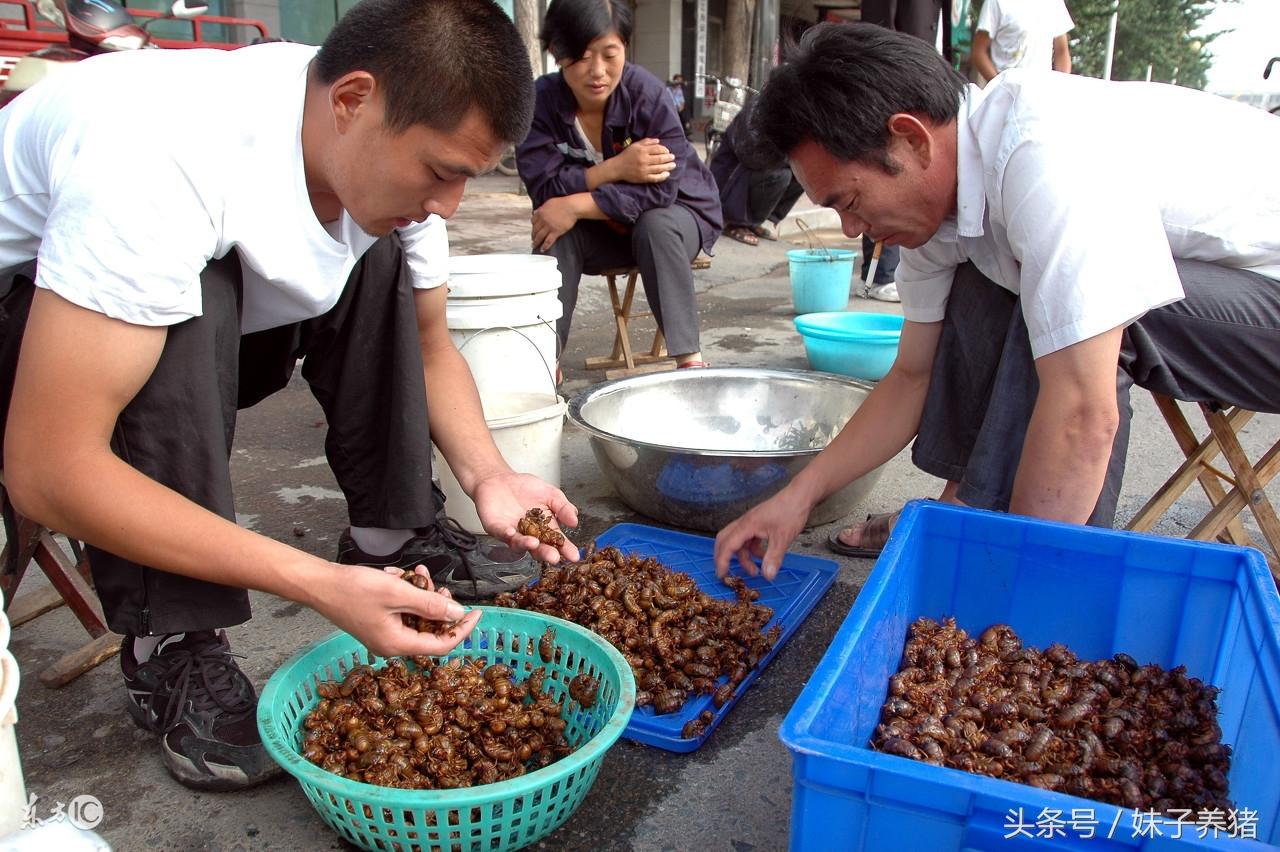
(70, 583)
(1199, 455)
(622, 317)
(1251, 481)
(659, 348)
(616, 302)
(64, 577)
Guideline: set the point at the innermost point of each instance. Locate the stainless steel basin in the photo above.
(697, 448)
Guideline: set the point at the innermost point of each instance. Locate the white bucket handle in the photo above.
(545, 365)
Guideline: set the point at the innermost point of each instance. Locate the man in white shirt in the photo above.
(1021, 34)
(1056, 248)
(291, 205)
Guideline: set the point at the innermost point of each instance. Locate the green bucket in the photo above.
(504, 815)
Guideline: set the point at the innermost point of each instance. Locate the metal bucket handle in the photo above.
(550, 375)
(812, 237)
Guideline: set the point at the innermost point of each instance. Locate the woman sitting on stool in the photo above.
(613, 179)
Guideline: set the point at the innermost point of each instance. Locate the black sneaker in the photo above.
(192, 693)
(472, 568)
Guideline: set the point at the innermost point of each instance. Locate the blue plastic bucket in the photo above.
(820, 279)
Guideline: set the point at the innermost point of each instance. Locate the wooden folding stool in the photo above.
(1248, 481)
(71, 583)
(622, 361)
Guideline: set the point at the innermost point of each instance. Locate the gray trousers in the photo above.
(663, 243)
(363, 362)
(1221, 344)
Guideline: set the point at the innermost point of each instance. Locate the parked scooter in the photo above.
(93, 27)
(727, 98)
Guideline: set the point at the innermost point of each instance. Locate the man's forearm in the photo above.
(457, 421)
(884, 424)
(1061, 55)
(96, 497)
(982, 56)
(1064, 463)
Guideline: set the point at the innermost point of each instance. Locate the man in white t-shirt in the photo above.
(1056, 249)
(290, 205)
(1021, 34)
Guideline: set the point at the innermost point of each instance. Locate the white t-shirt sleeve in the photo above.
(1060, 22)
(989, 17)
(426, 246)
(924, 278)
(1090, 241)
(131, 246)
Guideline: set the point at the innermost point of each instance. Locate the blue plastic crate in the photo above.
(800, 584)
(1209, 607)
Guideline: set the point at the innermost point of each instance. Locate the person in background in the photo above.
(303, 223)
(751, 192)
(1021, 34)
(1049, 263)
(613, 180)
(919, 18)
(680, 99)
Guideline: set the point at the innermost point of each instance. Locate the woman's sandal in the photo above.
(764, 233)
(742, 235)
(875, 532)
(692, 365)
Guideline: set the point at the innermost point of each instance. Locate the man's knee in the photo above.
(656, 226)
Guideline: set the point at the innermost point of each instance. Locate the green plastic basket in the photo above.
(504, 815)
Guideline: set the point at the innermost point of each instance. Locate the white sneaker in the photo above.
(884, 292)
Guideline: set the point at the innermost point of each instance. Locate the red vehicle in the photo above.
(38, 39)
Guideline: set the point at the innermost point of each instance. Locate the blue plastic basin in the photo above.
(861, 345)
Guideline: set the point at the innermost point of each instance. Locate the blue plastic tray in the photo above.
(800, 584)
(1209, 607)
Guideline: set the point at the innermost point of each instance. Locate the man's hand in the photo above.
(368, 603)
(555, 218)
(765, 531)
(502, 500)
(645, 161)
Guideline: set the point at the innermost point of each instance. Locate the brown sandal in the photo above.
(742, 235)
(875, 532)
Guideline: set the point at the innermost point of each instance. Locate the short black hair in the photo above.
(841, 84)
(570, 25)
(435, 60)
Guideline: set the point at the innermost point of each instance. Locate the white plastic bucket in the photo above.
(494, 301)
(13, 793)
(528, 436)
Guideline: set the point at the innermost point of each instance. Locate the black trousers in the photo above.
(915, 17)
(363, 362)
(662, 244)
(1221, 344)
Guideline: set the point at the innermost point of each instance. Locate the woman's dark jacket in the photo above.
(553, 163)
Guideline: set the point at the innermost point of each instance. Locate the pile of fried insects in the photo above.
(1138, 736)
(427, 724)
(679, 640)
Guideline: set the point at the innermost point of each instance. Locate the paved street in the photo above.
(733, 794)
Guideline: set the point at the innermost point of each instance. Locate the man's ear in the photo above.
(908, 129)
(349, 95)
